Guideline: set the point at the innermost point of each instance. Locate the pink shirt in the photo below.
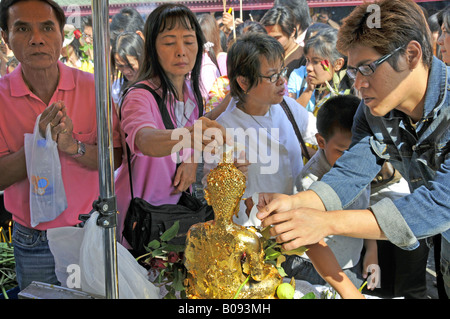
(19, 109)
(152, 176)
(222, 62)
(209, 73)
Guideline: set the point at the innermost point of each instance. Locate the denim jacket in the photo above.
(421, 154)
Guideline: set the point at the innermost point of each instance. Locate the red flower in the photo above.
(326, 65)
(77, 34)
(172, 257)
(157, 263)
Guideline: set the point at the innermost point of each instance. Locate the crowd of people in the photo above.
(326, 116)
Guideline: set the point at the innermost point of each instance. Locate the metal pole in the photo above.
(106, 206)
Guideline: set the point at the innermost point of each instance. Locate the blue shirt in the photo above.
(297, 84)
(421, 154)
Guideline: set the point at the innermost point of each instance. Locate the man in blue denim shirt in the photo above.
(404, 118)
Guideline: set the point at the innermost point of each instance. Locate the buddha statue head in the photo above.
(225, 187)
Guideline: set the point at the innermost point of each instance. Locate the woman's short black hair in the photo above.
(243, 59)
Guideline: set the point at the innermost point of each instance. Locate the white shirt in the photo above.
(183, 111)
(271, 147)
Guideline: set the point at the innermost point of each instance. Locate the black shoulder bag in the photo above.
(145, 222)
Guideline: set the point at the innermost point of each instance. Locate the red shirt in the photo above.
(19, 108)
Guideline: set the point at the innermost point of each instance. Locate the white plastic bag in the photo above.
(85, 247)
(65, 243)
(47, 194)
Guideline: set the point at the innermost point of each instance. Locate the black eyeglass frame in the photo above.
(276, 76)
(369, 69)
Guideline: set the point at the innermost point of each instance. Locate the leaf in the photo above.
(158, 252)
(297, 251)
(160, 277)
(174, 248)
(170, 295)
(265, 233)
(281, 272)
(280, 259)
(170, 292)
(154, 244)
(171, 232)
(272, 254)
(240, 287)
(336, 80)
(309, 295)
(178, 280)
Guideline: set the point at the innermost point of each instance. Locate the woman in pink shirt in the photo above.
(173, 57)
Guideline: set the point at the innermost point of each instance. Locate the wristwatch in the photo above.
(81, 149)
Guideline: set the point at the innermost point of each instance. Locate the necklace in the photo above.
(291, 51)
(257, 122)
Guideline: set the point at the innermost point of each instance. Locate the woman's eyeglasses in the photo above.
(275, 77)
(368, 69)
(87, 36)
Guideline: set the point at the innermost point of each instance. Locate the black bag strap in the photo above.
(162, 108)
(168, 124)
(288, 112)
(158, 101)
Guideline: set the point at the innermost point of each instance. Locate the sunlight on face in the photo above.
(275, 32)
(266, 93)
(316, 71)
(177, 51)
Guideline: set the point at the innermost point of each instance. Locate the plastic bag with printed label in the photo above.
(47, 194)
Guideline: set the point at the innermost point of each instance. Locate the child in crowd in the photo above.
(325, 72)
(297, 80)
(334, 123)
(127, 54)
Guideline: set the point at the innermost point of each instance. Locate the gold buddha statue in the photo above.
(220, 255)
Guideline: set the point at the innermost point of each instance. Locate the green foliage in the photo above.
(275, 254)
(7, 268)
(309, 295)
(167, 260)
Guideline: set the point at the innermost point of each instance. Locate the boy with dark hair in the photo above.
(334, 125)
(300, 9)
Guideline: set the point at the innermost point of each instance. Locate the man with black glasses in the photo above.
(404, 118)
